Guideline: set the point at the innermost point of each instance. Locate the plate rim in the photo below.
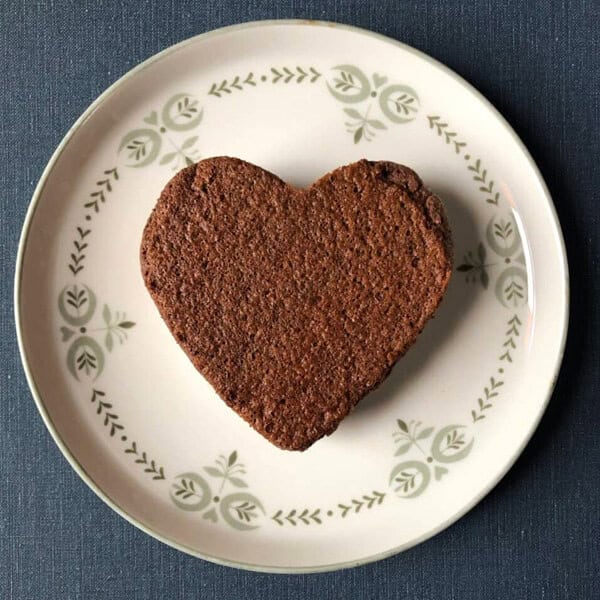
(37, 396)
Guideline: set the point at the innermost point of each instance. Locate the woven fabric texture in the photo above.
(537, 535)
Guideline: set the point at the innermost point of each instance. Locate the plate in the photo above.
(150, 436)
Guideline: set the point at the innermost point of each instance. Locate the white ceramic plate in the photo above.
(144, 429)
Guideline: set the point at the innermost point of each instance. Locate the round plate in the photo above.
(145, 430)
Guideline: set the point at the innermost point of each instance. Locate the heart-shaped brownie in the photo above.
(294, 303)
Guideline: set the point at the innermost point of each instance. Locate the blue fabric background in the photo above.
(537, 535)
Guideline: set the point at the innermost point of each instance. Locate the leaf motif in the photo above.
(213, 471)
(358, 134)
(485, 279)
(232, 458)
(481, 252)
(425, 433)
(126, 324)
(353, 113)
(464, 268)
(403, 449)
(144, 146)
(211, 515)
(376, 124)
(106, 314)
(189, 142)
(167, 158)
(238, 482)
(108, 341)
(402, 424)
(439, 472)
(85, 354)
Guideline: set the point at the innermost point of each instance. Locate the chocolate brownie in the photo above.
(294, 304)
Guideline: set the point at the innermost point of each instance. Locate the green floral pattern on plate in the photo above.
(181, 113)
(192, 492)
(479, 174)
(316, 516)
(443, 130)
(238, 83)
(85, 355)
(113, 424)
(219, 491)
(141, 147)
(504, 241)
(396, 103)
(449, 444)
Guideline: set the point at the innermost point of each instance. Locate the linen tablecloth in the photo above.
(537, 535)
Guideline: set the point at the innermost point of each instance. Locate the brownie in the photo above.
(294, 304)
